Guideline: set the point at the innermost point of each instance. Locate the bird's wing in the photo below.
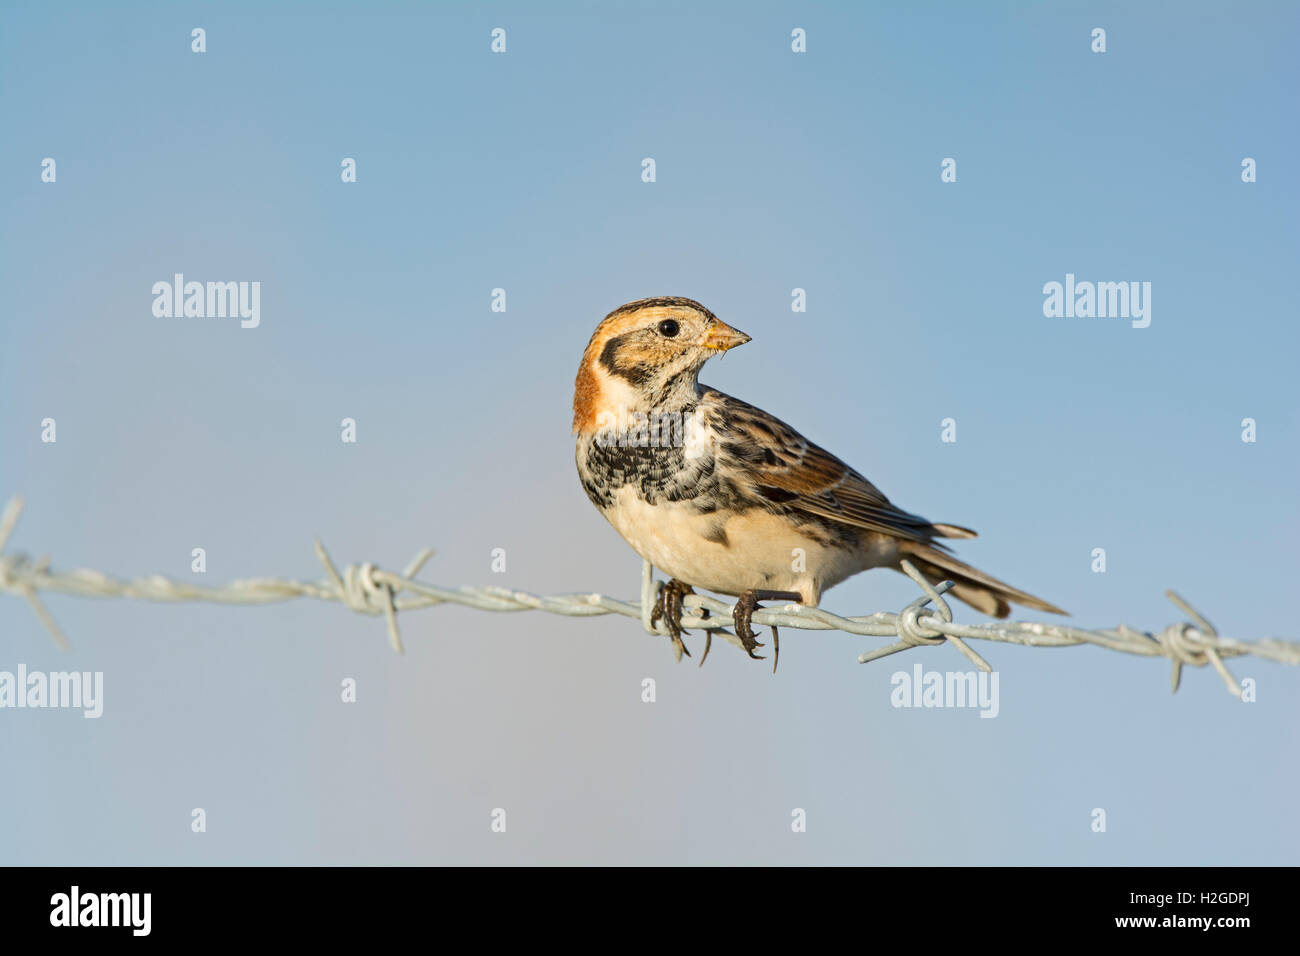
(774, 462)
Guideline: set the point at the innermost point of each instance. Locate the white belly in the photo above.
(732, 555)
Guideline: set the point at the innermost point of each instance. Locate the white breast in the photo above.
(732, 554)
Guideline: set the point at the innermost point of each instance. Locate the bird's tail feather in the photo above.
(981, 591)
(952, 531)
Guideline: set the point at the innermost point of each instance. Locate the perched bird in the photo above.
(720, 495)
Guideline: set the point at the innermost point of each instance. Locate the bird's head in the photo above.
(647, 355)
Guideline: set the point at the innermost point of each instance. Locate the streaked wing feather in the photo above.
(783, 466)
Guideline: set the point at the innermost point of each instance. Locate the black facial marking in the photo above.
(638, 374)
(607, 354)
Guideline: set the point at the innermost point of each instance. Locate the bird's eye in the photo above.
(668, 328)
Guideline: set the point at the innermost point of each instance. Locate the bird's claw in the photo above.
(740, 616)
(668, 606)
(744, 610)
(708, 646)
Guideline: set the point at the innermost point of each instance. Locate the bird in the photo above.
(720, 495)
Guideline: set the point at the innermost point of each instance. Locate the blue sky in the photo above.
(522, 171)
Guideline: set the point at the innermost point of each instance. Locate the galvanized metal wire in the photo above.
(369, 589)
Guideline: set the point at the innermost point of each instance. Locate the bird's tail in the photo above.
(981, 591)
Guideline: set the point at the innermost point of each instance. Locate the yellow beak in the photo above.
(721, 337)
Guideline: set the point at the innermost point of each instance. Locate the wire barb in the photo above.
(368, 589)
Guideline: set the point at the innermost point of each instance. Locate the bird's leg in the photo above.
(669, 606)
(744, 610)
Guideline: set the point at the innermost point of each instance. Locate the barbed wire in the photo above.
(368, 589)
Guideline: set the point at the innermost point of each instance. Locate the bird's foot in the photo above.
(746, 605)
(669, 606)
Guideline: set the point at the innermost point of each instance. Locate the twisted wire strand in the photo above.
(369, 589)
